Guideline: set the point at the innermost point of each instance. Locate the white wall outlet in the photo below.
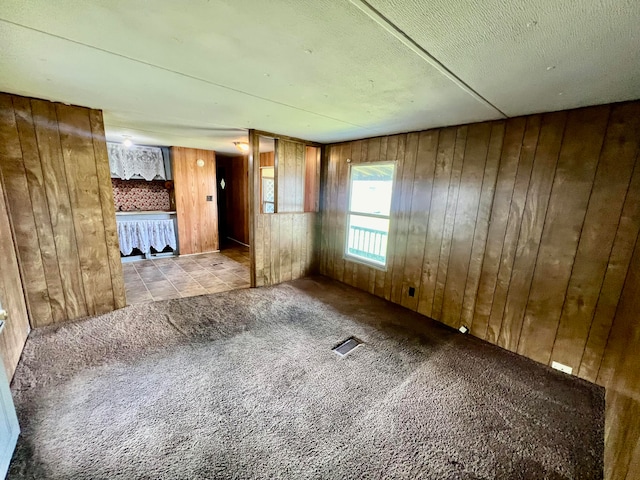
(561, 367)
(463, 329)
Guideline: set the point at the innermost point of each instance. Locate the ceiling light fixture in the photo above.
(242, 146)
(127, 142)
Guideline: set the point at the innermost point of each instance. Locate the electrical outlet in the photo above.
(561, 367)
(412, 291)
(209, 198)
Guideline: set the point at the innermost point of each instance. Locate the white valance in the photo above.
(128, 162)
(143, 234)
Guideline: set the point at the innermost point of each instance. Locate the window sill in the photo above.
(361, 261)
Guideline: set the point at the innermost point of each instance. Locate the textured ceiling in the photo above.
(198, 73)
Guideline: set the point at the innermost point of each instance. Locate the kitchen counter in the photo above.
(147, 212)
(145, 215)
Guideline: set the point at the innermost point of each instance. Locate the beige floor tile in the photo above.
(192, 267)
(210, 282)
(219, 288)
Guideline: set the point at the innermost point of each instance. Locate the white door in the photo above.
(9, 428)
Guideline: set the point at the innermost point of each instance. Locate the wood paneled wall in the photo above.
(16, 326)
(285, 247)
(621, 375)
(290, 173)
(312, 179)
(197, 217)
(521, 229)
(55, 168)
(267, 159)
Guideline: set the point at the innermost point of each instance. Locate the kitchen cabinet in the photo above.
(136, 162)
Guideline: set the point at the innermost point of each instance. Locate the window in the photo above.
(370, 189)
(268, 189)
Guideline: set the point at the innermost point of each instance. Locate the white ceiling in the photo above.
(199, 73)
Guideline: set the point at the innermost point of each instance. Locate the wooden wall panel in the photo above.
(449, 219)
(622, 427)
(312, 179)
(59, 203)
(84, 193)
(22, 216)
(55, 172)
(288, 247)
(581, 145)
(526, 222)
(527, 238)
(267, 159)
(39, 204)
(291, 178)
(106, 198)
(197, 217)
(504, 195)
(466, 212)
(16, 327)
(610, 187)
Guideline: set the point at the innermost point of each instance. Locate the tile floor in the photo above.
(175, 277)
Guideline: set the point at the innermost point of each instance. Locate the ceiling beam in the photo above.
(412, 45)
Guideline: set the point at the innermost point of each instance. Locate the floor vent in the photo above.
(347, 346)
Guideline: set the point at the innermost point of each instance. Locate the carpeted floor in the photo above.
(244, 384)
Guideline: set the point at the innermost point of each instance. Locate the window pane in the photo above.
(367, 238)
(268, 190)
(268, 208)
(371, 187)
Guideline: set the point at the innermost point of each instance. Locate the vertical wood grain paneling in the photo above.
(84, 193)
(622, 427)
(289, 250)
(611, 183)
(421, 190)
(197, 217)
(106, 199)
(499, 215)
(527, 237)
(583, 138)
(528, 221)
(482, 223)
(22, 217)
(57, 190)
(56, 175)
(40, 206)
(619, 260)
(433, 242)
(449, 219)
(311, 179)
(350, 269)
(12, 297)
(509, 244)
(267, 159)
(291, 178)
(404, 190)
(259, 251)
(342, 172)
(466, 212)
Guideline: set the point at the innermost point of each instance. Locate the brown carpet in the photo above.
(244, 385)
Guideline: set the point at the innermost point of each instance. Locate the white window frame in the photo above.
(345, 251)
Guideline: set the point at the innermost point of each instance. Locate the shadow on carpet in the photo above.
(244, 385)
